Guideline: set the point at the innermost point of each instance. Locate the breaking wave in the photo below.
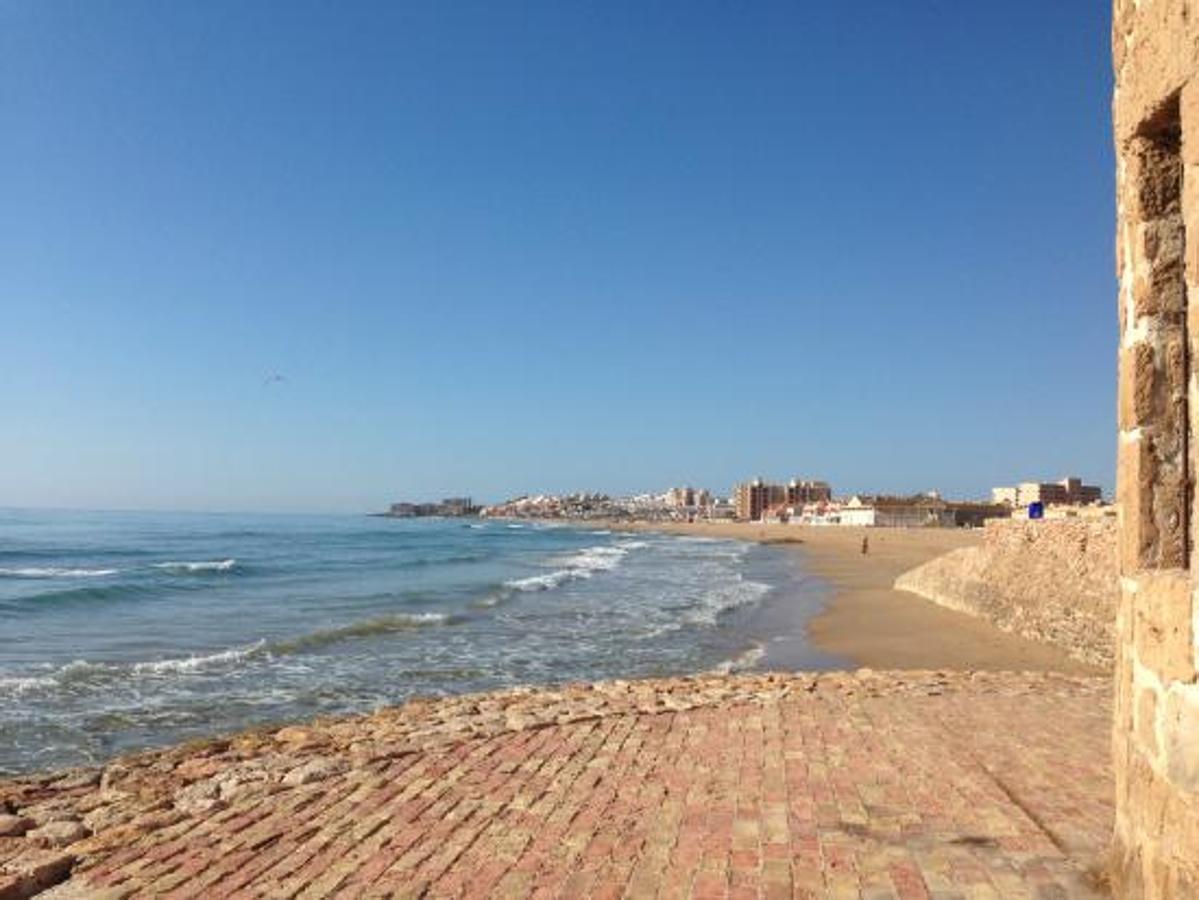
(84, 673)
(213, 565)
(578, 565)
(54, 572)
(742, 662)
(197, 663)
(721, 600)
(389, 624)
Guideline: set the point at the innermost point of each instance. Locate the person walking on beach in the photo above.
(865, 545)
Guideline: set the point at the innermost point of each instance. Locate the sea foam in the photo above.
(578, 565)
(197, 663)
(208, 565)
(54, 572)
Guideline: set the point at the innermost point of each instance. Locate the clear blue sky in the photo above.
(505, 247)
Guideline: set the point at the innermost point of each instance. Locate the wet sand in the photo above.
(867, 621)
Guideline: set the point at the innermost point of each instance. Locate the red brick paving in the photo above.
(878, 785)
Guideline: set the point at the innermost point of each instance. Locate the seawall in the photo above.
(1052, 581)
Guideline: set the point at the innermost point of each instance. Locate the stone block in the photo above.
(1137, 470)
(1180, 728)
(1162, 626)
(1146, 721)
(1154, 179)
(1138, 375)
(1161, 291)
(1188, 115)
(1170, 499)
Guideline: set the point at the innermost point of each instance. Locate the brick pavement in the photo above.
(874, 785)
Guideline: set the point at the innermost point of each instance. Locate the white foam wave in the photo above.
(78, 670)
(546, 582)
(595, 559)
(196, 663)
(743, 661)
(84, 673)
(16, 684)
(579, 565)
(720, 600)
(208, 565)
(54, 572)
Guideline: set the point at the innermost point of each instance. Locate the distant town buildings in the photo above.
(801, 492)
(797, 502)
(450, 506)
(1069, 491)
(919, 511)
(681, 497)
(677, 504)
(756, 500)
(752, 498)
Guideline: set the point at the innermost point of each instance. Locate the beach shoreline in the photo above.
(286, 797)
(869, 623)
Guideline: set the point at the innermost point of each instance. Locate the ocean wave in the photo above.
(463, 557)
(86, 592)
(594, 559)
(742, 662)
(546, 582)
(21, 684)
(197, 663)
(85, 674)
(208, 565)
(388, 624)
(54, 572)
(725, 598)
(578, 565)
(102, 675)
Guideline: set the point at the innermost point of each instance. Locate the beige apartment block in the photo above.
(1156, 735)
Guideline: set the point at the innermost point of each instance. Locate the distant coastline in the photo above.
(448, 508)
(866, 620)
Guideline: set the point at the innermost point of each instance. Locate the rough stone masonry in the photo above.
(1053, 581)
(1155, 47)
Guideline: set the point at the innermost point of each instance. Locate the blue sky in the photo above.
(507, 247)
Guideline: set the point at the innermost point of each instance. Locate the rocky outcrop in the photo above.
(1053, 581)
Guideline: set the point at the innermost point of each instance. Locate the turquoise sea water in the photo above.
(122, 630)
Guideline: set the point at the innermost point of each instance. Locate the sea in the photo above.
(121, 631)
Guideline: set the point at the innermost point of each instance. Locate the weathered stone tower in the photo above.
(1156, 111)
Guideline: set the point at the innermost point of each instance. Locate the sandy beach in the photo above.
(870, 623)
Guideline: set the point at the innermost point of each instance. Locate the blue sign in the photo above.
(1036, 510)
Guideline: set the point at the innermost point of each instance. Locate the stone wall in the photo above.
(1053, 581)
(1155, 47)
